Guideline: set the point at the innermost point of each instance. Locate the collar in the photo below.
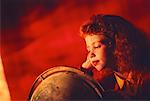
(120, 78)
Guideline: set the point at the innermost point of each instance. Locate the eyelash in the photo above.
(98, 46)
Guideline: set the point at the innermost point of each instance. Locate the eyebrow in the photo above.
(101, 41)
(94, 43)
(97, 41)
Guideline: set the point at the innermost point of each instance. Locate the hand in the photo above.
(87, 64)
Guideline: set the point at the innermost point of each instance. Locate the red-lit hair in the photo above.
(125, 36)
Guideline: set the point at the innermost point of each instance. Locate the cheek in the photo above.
(101, 53)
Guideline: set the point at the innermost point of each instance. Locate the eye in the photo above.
(97, 45)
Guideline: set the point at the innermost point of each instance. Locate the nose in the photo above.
(92, 54)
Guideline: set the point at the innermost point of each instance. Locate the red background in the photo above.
(40, 34)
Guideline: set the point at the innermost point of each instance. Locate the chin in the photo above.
(99, 67)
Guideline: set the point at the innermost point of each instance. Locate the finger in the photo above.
(87, 64)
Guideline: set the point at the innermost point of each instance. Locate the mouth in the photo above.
(95, 62)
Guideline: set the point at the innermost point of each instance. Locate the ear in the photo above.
(111, 46)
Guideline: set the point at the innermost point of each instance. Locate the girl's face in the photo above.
(99, 51)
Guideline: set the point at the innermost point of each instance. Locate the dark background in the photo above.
(40, 34)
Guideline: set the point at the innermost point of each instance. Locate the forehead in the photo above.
(91, 39)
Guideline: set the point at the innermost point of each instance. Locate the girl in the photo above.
(114, 57)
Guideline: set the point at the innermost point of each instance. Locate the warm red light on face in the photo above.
(46, 35)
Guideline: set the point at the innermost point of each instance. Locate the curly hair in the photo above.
(126, 39)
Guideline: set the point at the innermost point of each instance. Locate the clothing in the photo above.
(128, 85)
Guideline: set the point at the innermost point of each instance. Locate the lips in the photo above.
(95, 62)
